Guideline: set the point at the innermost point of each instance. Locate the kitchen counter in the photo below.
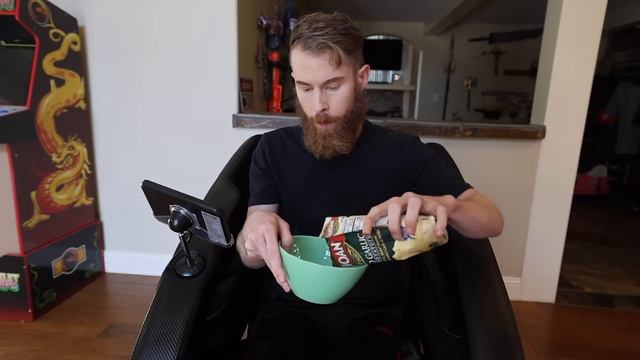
(455, 129)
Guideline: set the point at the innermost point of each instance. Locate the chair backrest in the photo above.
(230, 191)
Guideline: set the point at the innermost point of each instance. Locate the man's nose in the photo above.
(320, 103)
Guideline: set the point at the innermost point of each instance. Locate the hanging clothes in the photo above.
(624, 105)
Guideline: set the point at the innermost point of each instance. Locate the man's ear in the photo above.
(362, 76)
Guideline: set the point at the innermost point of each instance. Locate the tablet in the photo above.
(208, 220)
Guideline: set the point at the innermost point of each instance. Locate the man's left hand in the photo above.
(410, 206)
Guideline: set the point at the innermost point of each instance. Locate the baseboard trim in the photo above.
(512, 284)
(127, 262)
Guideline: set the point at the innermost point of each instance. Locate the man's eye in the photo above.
(333, 87)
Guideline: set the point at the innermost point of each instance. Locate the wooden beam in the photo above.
(453, 17)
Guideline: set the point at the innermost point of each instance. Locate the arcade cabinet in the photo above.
(50, 235)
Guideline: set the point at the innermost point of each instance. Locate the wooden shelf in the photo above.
(391, 87)
(411, 126)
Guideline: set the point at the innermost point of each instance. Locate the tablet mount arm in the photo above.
(180, 221)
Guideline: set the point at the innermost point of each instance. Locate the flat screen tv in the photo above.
(16, 57)
(385, 54)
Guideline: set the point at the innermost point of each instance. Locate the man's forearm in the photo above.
(475, 216)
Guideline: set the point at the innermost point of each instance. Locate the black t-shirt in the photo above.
(384, 163)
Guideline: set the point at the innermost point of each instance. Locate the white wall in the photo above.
(10, 241)
(163, 85)
(469, 62)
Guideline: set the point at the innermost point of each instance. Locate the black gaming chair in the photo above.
(458, 301)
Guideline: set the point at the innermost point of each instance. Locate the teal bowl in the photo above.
(311, 275)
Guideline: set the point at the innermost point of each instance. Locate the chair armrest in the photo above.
(490, 324)
(176, 306)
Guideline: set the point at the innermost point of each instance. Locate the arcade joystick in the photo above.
(180, 222)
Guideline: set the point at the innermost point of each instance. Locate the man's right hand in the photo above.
(258, 241)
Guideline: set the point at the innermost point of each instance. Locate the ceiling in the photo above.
(429, 11)
(494, 11)
(379, 10)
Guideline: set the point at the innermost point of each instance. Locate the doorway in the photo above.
(601, 262)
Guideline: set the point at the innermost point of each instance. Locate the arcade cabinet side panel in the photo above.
(14, 293)
(60, 269)
(54, 175)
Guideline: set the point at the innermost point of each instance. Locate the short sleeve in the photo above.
(437, 177)
(262, 186)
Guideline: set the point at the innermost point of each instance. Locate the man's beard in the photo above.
(330, 143)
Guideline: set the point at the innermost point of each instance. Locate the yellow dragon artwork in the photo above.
(64, 187)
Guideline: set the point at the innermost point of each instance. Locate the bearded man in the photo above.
(338, 163)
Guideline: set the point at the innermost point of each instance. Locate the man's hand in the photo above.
(411, 205)
(259, 239)
(471, 213)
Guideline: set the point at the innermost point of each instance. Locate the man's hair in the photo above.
(334, 34)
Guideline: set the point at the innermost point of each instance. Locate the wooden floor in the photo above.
(99, 322)
(102, 322)
(600, 264)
